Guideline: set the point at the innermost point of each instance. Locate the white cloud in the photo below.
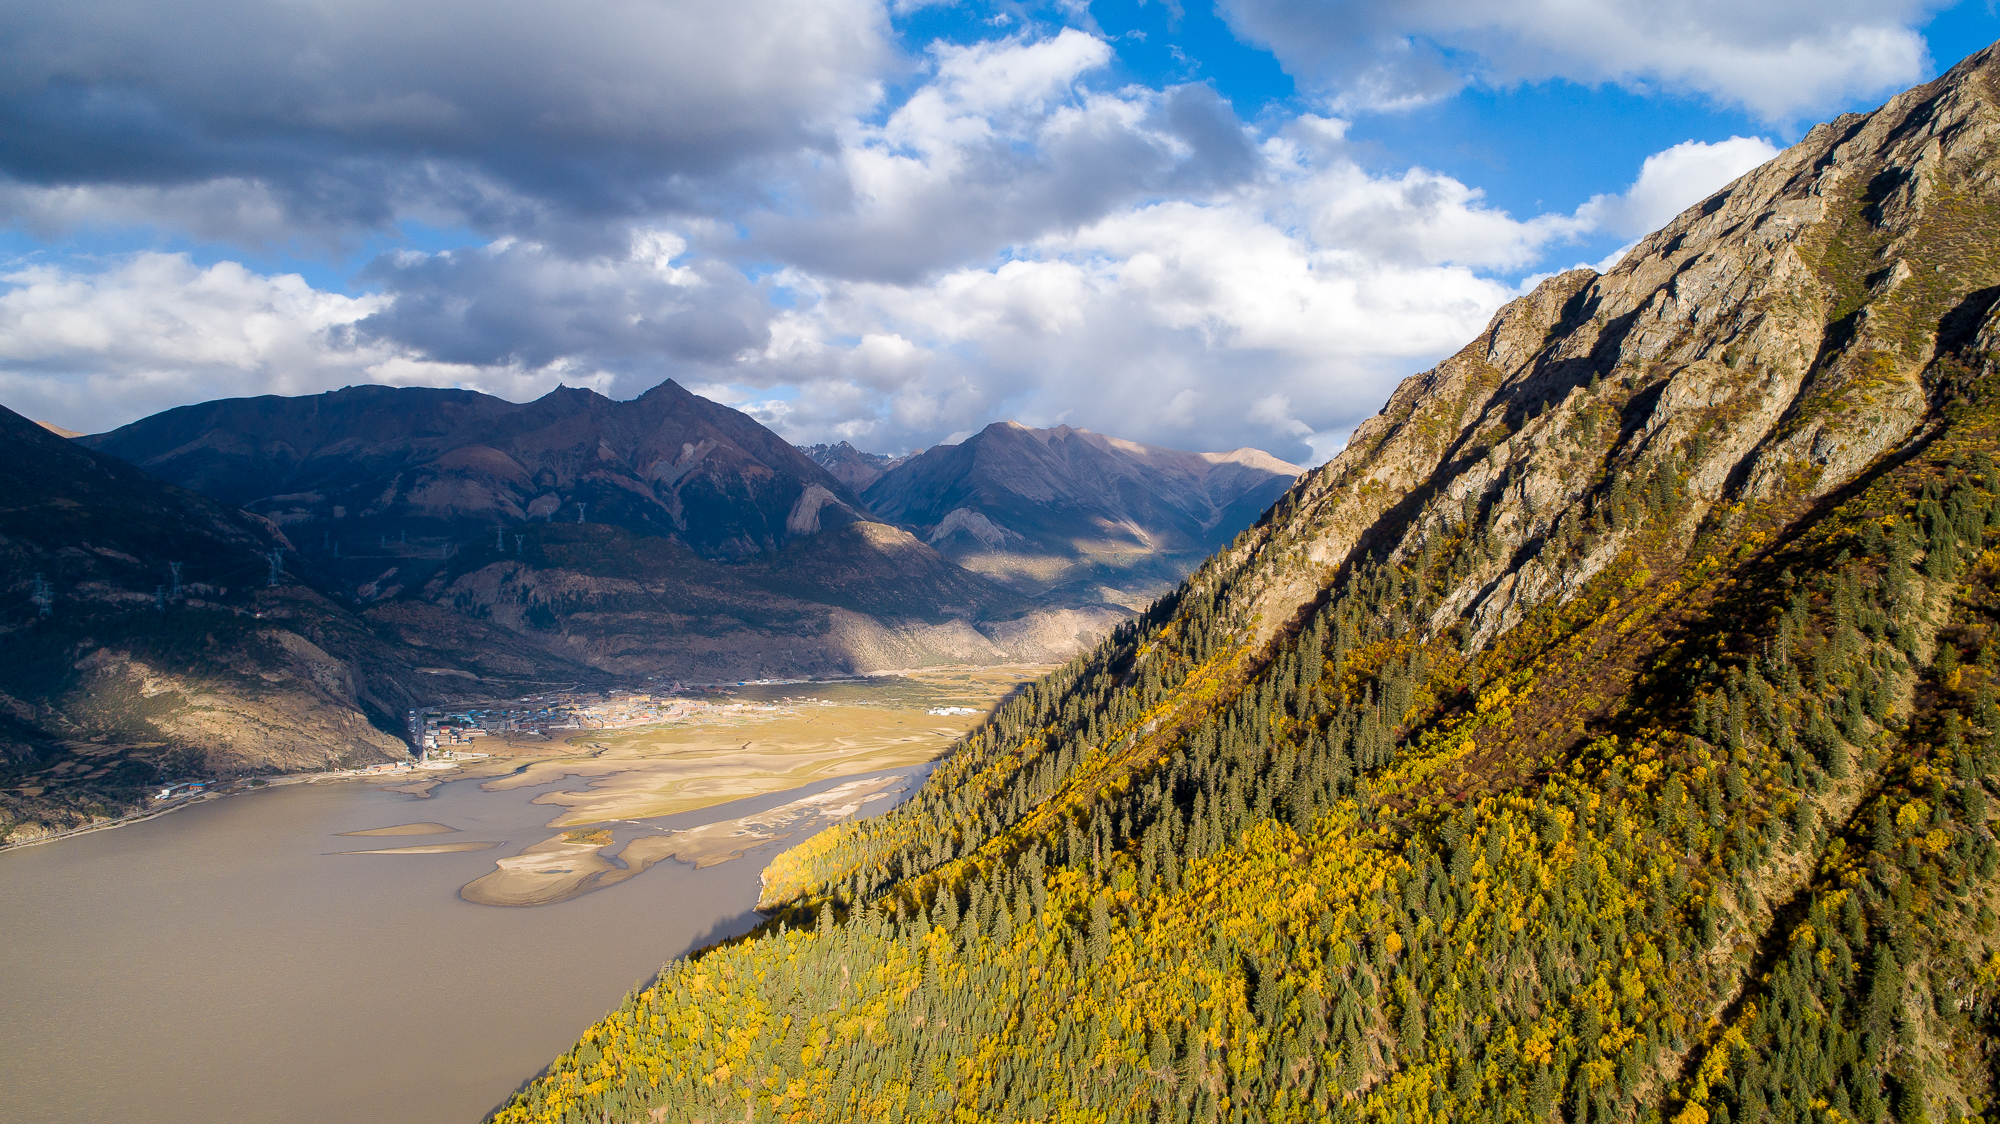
(93, 350)
(1274, 313)
(1008, 242)
(1671, 181)
(1000, 146)
(1779, 58)
(506, 115)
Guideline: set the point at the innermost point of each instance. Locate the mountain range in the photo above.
(1610, 733)
(440, 542)
(850, 465)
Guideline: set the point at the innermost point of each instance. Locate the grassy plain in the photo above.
(767, 738)
(783, 736)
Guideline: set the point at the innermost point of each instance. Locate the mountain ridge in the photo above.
(371, 459)
(1068, 511)
(1608, 733)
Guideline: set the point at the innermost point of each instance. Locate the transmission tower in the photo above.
(277, 560)
(517, 543)
(160, 598)
(500, 539)
(176, 568)
(580, 508)
(44, 596)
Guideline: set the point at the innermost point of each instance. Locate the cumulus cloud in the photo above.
(92, 350)
(1274, 314)
(998, 147)
(507, 115)
(515, 303)
(1273, 306)
(1672, 181)
(1010, 240)
(1779, 59)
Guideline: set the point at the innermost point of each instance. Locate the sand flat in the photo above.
(406, 829)
(551, 871)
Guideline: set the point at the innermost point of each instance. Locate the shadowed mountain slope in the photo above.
(411, 463)
(667, 535)
(138, 674)
(1075, 515)
(1608, 734)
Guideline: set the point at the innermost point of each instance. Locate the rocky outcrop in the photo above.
(1768, 344)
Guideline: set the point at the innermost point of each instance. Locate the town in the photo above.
(439, 733)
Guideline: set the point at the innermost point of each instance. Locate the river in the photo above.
(223, 963)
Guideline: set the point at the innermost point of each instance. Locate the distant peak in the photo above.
(59, 431)
(563, 391)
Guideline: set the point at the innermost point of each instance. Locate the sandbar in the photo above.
(574, 862)
(551, 871)
(714, 843)
(406, 829)
(428, 849)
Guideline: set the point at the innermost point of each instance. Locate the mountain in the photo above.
(167, 652)
(370, 463)
(850, 465)
(1609, 733)
(667, 535)
(1073, 515)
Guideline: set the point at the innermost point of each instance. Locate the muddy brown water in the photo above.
(221, 963)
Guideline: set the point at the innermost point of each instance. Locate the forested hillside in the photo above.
(1608, 734)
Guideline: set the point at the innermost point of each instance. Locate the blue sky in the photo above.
(1199, 224)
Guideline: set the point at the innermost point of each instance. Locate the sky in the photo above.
(1200, 225)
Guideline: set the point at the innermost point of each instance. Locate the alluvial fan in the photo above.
(1606, 735)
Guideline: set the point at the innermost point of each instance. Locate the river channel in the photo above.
(227, 962)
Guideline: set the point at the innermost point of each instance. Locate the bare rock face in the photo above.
(1071, 515)
(1768, 345)
(850, 465)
